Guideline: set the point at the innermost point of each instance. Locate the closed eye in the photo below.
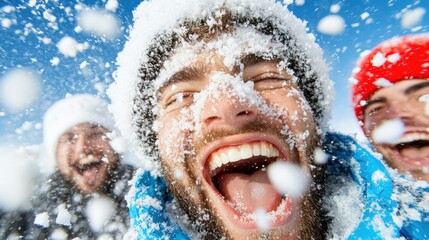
(271, 81)
(373, 110)
(178, 100)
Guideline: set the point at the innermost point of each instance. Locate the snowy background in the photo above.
(51, 48)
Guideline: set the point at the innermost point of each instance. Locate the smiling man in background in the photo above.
(393, 87)
(391, 96)
(228, 101)
(85, 196)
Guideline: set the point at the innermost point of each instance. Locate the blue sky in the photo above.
(24, 44)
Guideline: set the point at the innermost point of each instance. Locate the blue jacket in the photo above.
(385, 215)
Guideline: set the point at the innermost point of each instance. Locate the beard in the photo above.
(204, 221)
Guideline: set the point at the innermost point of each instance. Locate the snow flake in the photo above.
(412, 18)
(331, 25)
(389, 132)
(382, 82)
(335, 8)
(6, 23)
(63, 216)
(48, 16)
(378, 176)
(42, 219)
(19, 89)
(320, 157)
(378, 60)
(364, 15)
(393, 57)
(99, 23)
(99, 210)
(262, 220)
(289, 179)
(69, 47)
(55, 61)
(111, 5)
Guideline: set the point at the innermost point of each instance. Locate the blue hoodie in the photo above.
(384, 215)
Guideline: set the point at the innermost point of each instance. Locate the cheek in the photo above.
(293, 108)
(62, 160)
(173, 135)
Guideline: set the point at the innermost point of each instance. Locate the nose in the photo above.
(400, 109)
(81, 143)
(227, 112)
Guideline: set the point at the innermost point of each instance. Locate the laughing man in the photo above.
(223, 99)
(403, 63)
(85, 197)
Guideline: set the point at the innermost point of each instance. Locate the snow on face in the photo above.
(145, 33)
(216, 85)
(232, 48)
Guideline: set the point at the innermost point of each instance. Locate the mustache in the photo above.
(251, 127)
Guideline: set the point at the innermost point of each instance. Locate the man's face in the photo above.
(84, 156)
(407, 101)
(219, 129)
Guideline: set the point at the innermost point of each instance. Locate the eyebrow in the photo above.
(253, 59)
(197, 71)
(416, 87)
(373, 101)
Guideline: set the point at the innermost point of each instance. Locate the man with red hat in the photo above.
(390, 98)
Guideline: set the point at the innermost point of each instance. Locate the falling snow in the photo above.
(389, 132)
(331, 25)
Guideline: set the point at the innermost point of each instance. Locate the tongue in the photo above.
(90, 173)
(249, 192)
(415, 153)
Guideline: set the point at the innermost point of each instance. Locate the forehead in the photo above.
(86, 128)
(397, 88)
(230, 47)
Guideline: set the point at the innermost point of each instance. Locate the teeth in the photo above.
(245, 151)
(233, 155)
(256, 148)
(413, 137)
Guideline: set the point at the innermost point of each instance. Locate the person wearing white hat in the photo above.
(78, 135)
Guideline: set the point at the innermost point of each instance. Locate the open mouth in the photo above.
(92, 167)
(87, 166)
(239, 176)
(413, 148)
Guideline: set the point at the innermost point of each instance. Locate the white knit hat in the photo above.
(71, 111)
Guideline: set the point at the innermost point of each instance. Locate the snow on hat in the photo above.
(394, 60)
(71, 111)
(154, 37)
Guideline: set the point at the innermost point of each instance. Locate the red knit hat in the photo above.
(394, 60)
